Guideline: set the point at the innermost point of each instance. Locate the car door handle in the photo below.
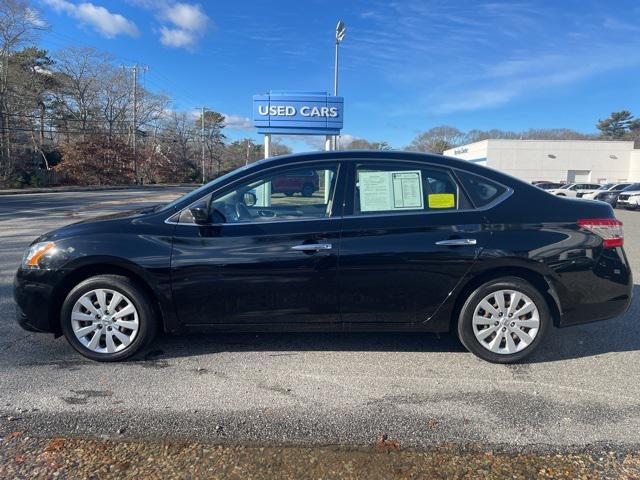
(457, 242)
(312, 247)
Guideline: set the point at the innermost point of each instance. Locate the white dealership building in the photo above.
(593, 161)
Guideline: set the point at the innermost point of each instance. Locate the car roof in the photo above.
(359, 155)
(391, 155)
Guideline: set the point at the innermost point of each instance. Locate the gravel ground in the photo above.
(579, 393)
(23, 457)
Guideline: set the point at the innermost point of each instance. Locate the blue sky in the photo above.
(406, 66)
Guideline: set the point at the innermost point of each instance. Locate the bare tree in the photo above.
(362, 144)
(437, 139)
(18, 25)
(80, 71)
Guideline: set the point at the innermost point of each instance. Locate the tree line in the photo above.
(617, 126)
(77, 117)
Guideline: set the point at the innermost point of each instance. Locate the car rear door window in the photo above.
(392, 189)
(481, 190)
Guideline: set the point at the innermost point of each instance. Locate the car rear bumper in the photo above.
(603, 292)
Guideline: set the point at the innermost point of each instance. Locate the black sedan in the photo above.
(387, 242)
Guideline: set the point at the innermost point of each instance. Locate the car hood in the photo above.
(110, 223)
(117, 216)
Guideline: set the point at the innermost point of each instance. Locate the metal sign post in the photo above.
(297, 113)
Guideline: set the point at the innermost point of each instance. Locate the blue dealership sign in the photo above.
(298, 113)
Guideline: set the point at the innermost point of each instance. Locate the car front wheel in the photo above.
(107, 318)
(504, 320)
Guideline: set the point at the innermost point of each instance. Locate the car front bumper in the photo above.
(632, 202)
(33, 291)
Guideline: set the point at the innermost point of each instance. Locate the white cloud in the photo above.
(187, 17)
(237, 122)
(505, 81)
(175, 37)
(187, 24)
(34, 18)
(183, 24)
(103, 21)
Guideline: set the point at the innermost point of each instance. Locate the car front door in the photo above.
(410, 234)
(261, 256)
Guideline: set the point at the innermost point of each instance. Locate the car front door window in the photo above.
(292, 193)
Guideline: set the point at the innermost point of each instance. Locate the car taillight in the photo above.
(609, 229)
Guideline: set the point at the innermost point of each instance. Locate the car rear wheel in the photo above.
(108, 318)
(504, 320)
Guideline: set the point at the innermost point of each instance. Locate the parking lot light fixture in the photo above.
(341, 30)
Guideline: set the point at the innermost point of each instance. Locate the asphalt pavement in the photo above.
(580, 391)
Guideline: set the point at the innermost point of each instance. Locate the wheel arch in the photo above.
(101, 267)
(543, 284)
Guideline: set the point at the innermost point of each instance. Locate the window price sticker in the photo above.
(384, 191)
(441, 200)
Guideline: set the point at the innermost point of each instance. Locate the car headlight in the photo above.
(37, 255)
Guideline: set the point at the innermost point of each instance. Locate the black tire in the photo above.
(465, 319)
(146, 315)
(307, 190)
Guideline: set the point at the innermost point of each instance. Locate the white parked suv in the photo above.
(607, 187)
(629, 199)
(575, 189)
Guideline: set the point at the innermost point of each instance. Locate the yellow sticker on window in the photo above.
(441, 200)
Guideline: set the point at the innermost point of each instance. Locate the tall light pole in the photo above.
(341, 29)
(202, 141)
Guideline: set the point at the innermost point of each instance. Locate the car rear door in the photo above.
(270, 260)
(410, 234)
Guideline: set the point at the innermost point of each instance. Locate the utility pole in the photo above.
(134, 70)
(202, 140)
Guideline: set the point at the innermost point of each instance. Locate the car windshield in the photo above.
(606, 186)
(194, 194)
(632, 187)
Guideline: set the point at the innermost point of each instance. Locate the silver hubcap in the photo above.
(105, 321)
(506, 322)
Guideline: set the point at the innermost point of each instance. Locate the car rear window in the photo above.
(481, 190)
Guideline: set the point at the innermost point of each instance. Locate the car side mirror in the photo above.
(250, 199)
(200, 215)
